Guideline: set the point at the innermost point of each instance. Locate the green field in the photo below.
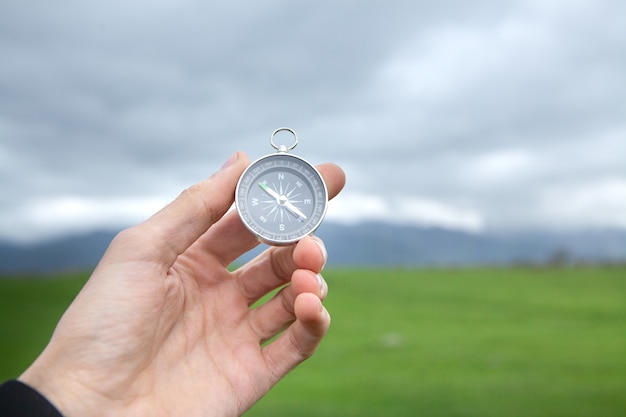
(443, 342)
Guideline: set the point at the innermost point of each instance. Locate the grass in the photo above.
(479, 342)
(30, 307)
(469, 342)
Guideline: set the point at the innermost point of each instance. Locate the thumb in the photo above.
(168, 233)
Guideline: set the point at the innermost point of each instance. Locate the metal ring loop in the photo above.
(283, 148)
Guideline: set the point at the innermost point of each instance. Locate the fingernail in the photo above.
(324, 311)
(322, 247)
(322, 285)
(233, 158)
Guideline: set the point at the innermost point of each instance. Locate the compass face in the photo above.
(281, 198)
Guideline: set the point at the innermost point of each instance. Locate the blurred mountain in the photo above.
(68, 253)
(380, 244)
(367, 245)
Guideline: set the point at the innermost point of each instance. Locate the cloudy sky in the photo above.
(483, 115)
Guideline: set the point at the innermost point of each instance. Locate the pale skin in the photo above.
(163, 328)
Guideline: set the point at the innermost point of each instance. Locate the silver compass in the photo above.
(281, 197)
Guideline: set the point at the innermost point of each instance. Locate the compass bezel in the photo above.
(268, 231)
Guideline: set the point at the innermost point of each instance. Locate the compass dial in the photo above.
(281, 198)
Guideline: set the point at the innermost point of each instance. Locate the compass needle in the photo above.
(295, 210)
(269, 190)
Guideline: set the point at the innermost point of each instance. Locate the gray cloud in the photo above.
(496, 112)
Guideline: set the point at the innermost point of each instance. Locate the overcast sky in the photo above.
(482, 115)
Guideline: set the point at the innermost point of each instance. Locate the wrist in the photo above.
(63, 393)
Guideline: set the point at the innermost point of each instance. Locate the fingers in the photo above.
(229, 238)
(300, 340)
(171, 231)
(275, 267)
(272, 317)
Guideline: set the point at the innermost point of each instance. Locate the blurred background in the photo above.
(476, 116)
(472, 133)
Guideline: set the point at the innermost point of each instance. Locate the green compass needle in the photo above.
(268, 190)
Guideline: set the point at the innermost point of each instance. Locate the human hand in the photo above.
(163, 328)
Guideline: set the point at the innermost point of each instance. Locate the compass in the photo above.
(281, 197)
